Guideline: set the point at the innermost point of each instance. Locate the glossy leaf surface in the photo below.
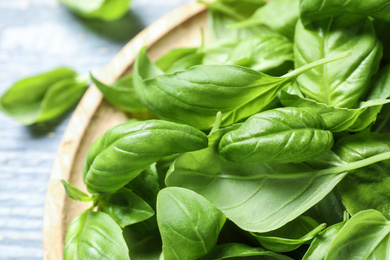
(125, 207)
(340, 83)
(280, 135)
(95, 235)
(125, 150)
(189, 224)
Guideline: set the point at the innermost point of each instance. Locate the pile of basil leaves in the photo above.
(272, 141)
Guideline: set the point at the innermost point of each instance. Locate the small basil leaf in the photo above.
(125, 150)
(167, 60)
(381, 85)
(43, 97)
(321, 243)
(279, 15)
(340, 83)
(125, 207)
(256, 197)
(313, 10)
(121, 94)
(106, 10)
(242, 251)
(75, 193)
(365, 236)
(338, 119)
(280, 135)
(365, 188)
(189, 224)
(95, 235)
(196, 95)
(291, 236)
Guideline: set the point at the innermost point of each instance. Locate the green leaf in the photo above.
(94, 235)
(242, 251)
(106, 10)
(196, 95)
(380, 88)
(291, 236)
(256, 197)
(125, 150)
(121, 94)
(188, 223)
(382, 29)
(338, 119)
(365, 236)
(168, 61)
(75, 193)
(280, 135)
(143, 240)
(340, 83)
(365, 188)
(125, 207)
(321, 243)
(313, 10)
(280, 16)
(43, 97)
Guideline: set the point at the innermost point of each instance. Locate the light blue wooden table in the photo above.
(38, 35)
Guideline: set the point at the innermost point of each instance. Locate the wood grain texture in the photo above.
(94, 116)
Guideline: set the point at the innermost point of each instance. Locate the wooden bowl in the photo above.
(94, 116)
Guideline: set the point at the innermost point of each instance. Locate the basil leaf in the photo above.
(280, 135)
(313, 10)
(291, 236)
(43, 97)
(168, 60)
(74, 193)
(106, 10)
(125, 207)
(125, 150)
(280, 16)
(196, 95)
(365, 188)
(121, 94)
(338, 119)
(381, 85)
(94, 235)
(256, 197)
(321, 243)
(364, 236)
(143, 240)
(341, 83)
(382, 29)
(235, 250)
(188, 223)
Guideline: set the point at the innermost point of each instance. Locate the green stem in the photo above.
(217, 123)
(312, 65)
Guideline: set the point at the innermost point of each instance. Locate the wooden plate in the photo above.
(94, 116)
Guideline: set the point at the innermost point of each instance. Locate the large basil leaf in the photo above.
(279, 15)
(94, 235)
(338, 119)
(312, 10)
(341, 83)
(42, 97)
(196, 95)
(189, 224)
(242, 251)
(121, 94)
(365, 236)
(107, 10)
(125, 207)
(368, 187)
(143, 240)
(125, 150)
(291, 236)
(321, 243)
(256, 197)
(280, 135)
